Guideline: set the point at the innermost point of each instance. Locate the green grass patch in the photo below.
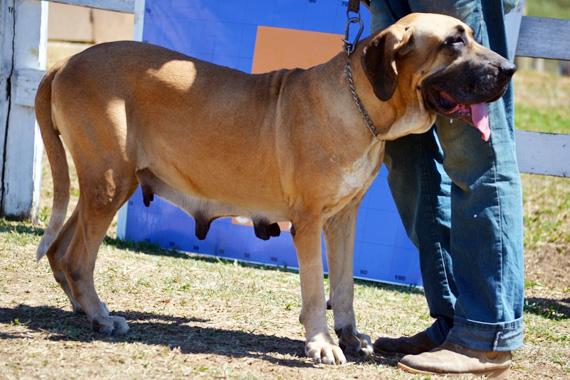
(550, 8)
(546, 212)
(545, 119)
(542, 102)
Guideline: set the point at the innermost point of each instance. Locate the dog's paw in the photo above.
(354, 343)
(366, 346)
(110, 325)
(321, 351)
(77, 309)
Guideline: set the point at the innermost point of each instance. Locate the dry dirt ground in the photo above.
(194, 317)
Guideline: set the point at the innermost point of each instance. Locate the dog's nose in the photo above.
(507, 69)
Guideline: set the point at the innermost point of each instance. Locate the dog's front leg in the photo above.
(320, 346)
(339, 239)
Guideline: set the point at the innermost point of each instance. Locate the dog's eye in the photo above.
(454, 41)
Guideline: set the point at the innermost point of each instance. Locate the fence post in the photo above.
(23, 43)
(6, 69)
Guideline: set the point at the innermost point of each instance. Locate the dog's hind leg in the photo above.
(96, 208)
(56, 253)
(320, 346)
(79, 264)
(339, 233)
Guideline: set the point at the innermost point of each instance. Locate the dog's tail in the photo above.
(57, 159)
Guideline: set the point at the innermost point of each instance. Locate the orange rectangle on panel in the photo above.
(280, 48)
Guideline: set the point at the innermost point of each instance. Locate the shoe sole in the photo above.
(398, 353)
(496, 374)
(384, 352)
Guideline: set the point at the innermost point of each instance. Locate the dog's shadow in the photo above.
(186, 334)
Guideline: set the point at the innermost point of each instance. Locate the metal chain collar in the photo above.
(349, 48)
(357, 100)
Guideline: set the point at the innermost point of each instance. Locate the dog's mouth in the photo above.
(476, 114)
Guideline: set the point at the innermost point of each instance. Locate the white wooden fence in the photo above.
(23, 45)
(23, 41)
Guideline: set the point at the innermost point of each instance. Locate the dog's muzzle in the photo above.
(471, 107)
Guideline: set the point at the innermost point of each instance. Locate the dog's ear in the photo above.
(379, 59)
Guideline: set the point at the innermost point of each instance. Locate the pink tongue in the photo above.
(480, 118)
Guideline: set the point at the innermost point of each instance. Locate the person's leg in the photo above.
(486, 249)
(421, 191)
(486, 243)
(488, 313)
(486, 235)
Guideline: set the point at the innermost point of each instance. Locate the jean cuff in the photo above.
(503, 336)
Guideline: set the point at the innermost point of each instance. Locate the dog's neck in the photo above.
(389, 120)
(357, 101)
(375, 113)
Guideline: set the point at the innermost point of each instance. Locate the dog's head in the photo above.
(437, 58)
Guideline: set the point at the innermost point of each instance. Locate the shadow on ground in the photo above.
(548, 308)
(190, 335)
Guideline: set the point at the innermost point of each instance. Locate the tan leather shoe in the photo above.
(405, 345)
(454, 359)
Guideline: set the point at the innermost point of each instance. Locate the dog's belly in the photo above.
(204, 210)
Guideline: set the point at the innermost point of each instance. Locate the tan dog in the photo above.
(286, 145)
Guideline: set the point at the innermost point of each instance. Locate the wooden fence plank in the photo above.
(126, 6)
(543, 153)
(7, 11)
(541, 37)
(26, 85)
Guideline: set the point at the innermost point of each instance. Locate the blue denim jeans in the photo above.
(460, 200)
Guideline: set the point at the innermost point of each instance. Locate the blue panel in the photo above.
(320, 16)
(231, 11)
(260, 12)
(224, 32)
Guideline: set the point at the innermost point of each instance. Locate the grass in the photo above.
(542, 102)
(190, 316)
(554, 120)
(198, 317)
(551, 8)
(547, 212)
